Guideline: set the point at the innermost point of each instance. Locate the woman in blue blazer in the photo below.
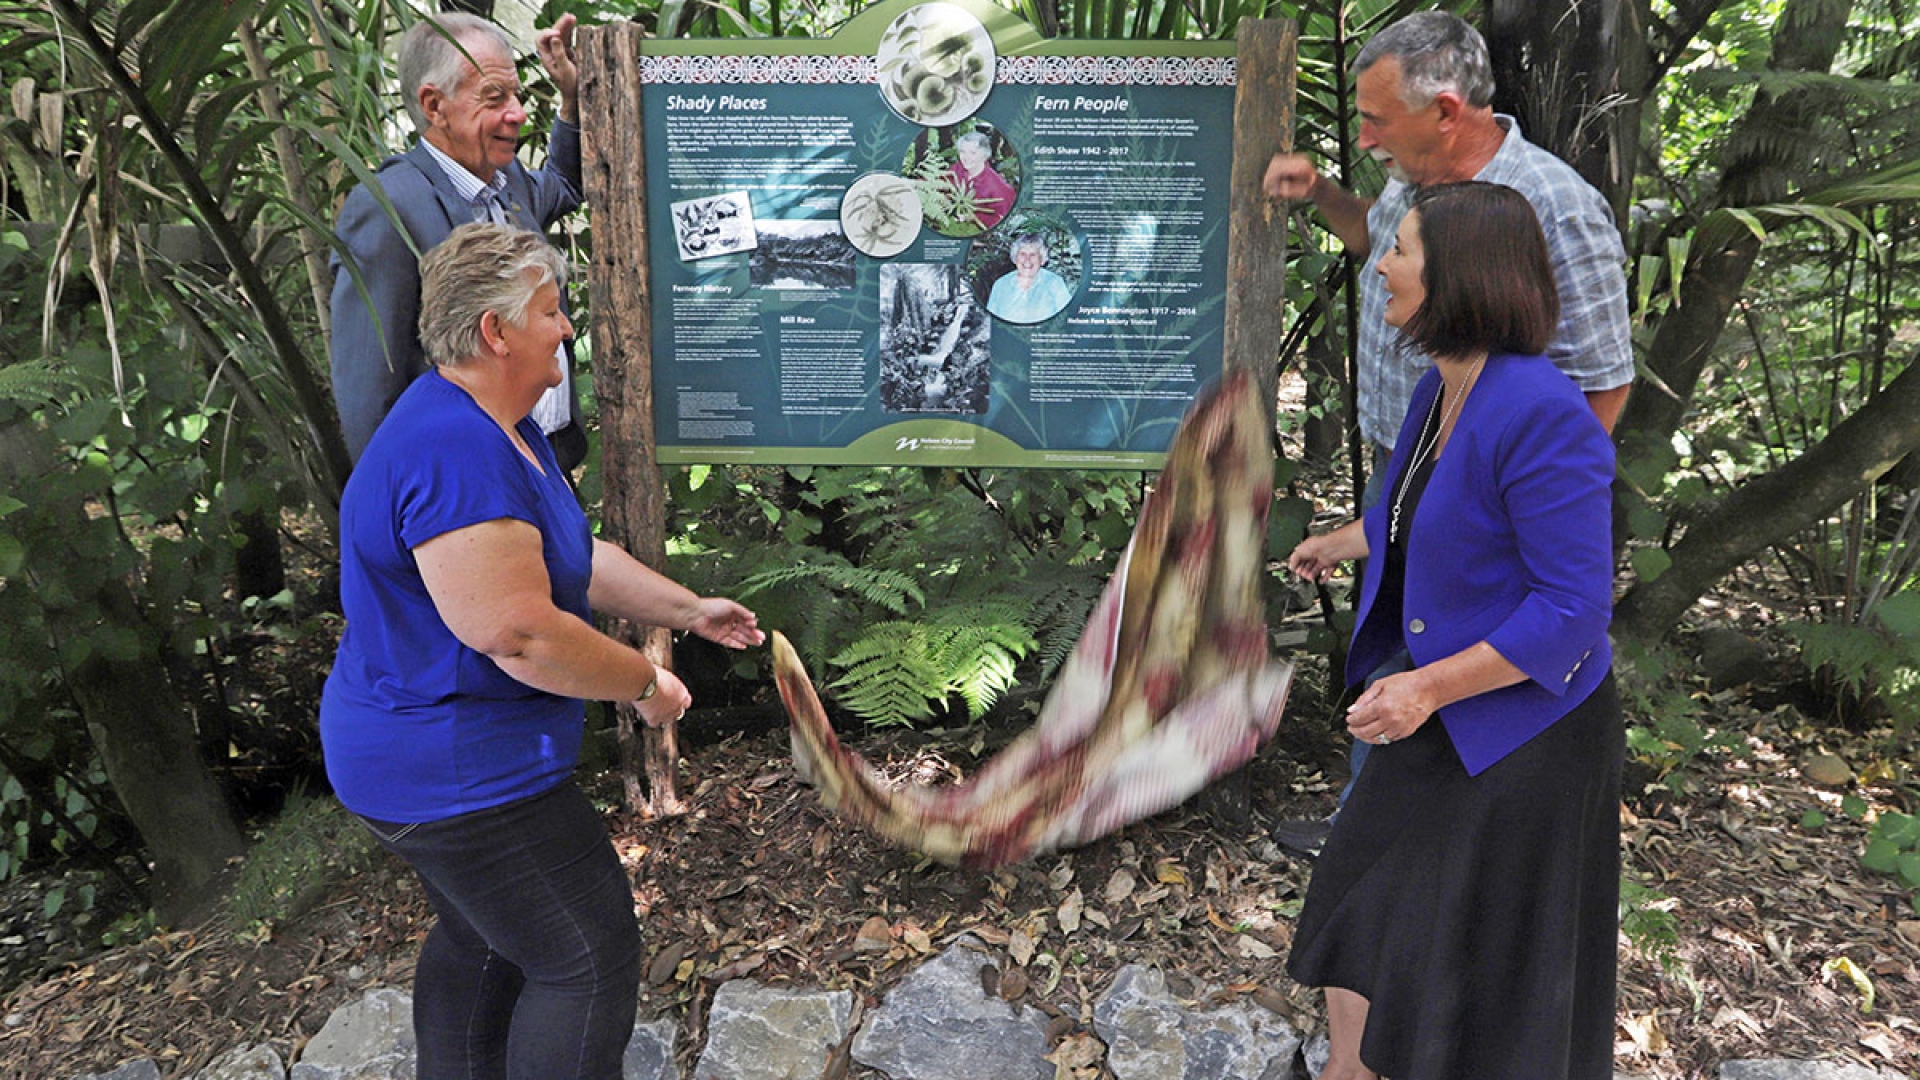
(1462, 916)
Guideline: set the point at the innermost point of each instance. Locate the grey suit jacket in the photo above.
(375, 350)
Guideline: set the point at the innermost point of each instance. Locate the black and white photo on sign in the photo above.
(881, 214)
(934, 341)
(936, 64)
(714, 225)
(809, 253)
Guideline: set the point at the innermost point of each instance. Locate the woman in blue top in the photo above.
(452, 719)
(1462, 914)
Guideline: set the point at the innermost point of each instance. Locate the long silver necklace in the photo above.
(1429, 440)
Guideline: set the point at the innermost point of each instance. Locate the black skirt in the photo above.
(1478, 915)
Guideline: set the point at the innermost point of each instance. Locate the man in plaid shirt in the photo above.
(1425, 91)
(1424, 88)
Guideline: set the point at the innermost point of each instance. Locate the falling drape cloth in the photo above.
(1169, 687)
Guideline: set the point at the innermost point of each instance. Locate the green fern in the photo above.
(890, 675)
(898, 671)
(982, 643)
(35, 382)
(887, 589)
(1063, 597)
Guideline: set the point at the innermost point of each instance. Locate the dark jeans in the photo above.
(533, 968)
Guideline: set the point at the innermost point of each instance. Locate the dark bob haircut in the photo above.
(1488, 279)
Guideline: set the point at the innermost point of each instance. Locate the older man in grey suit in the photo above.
(458, 78)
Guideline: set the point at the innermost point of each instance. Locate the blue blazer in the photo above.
(1512, 544)
(375, 350)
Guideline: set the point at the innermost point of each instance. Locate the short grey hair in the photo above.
(974, 138)
(480, 267)
(434, 52)
(1437, 51)
(1027, 240)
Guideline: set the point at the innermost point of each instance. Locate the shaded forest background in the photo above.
(170, 464)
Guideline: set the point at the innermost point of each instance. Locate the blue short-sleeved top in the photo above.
(416, 726)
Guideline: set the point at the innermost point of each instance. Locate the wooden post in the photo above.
(633, 509)
(1257, 228)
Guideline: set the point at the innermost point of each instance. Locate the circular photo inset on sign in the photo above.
(880, 214)
(968, 176)
(1028, 269)
(936, 64)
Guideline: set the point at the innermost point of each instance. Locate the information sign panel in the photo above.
(936, 239)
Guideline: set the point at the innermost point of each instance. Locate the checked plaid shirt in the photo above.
(1592, 343)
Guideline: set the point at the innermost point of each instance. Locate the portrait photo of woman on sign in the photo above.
(967, 176)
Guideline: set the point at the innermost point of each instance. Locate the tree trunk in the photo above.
(1556, 70)
(1772, 508)
(1257, 229)
(1761, 158)
(137, 719)
(634, 511)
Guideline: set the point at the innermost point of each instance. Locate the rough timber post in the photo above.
(1256, 228)
(633, 510)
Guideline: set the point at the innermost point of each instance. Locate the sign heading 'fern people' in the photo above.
(935, 238)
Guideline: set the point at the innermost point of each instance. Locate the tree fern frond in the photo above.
(1063, 598)
(1828, 88)
(36, 382)
(890, 676)
(890, 590)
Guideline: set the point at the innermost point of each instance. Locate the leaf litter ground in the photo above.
(757, 881)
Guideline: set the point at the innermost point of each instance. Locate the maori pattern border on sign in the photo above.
(1011, 70)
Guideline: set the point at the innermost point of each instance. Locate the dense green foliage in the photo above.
(167, 439)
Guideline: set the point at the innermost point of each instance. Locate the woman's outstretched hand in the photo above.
(724, 622)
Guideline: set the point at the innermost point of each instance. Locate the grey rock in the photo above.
(245, 1063)
(1150, 1035)
(1314, 1055)
(1783, 1069)
(649, 1053)
(939, 1024)
(138, 1069)
(369, 1039)
(759, 1032)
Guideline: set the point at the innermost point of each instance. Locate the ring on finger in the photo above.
(1384, 739)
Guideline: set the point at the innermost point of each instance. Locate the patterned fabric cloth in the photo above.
(1169, 687)
(1592, 344)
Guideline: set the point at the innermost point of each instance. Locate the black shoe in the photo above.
(1301, 837)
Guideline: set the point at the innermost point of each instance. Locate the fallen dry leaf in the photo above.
(1068, 913)
(1254, 949)
(992, 935)
(1013, 984)
(917, 940)
(1077, 1056)
(1061, 876)
(1119, 887)
(875, 935)
(666, 961)
(1647, 1035)
(1881, 1042)
(1020, 947)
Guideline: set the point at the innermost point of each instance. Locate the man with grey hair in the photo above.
(1424, 89)
(458, 80)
